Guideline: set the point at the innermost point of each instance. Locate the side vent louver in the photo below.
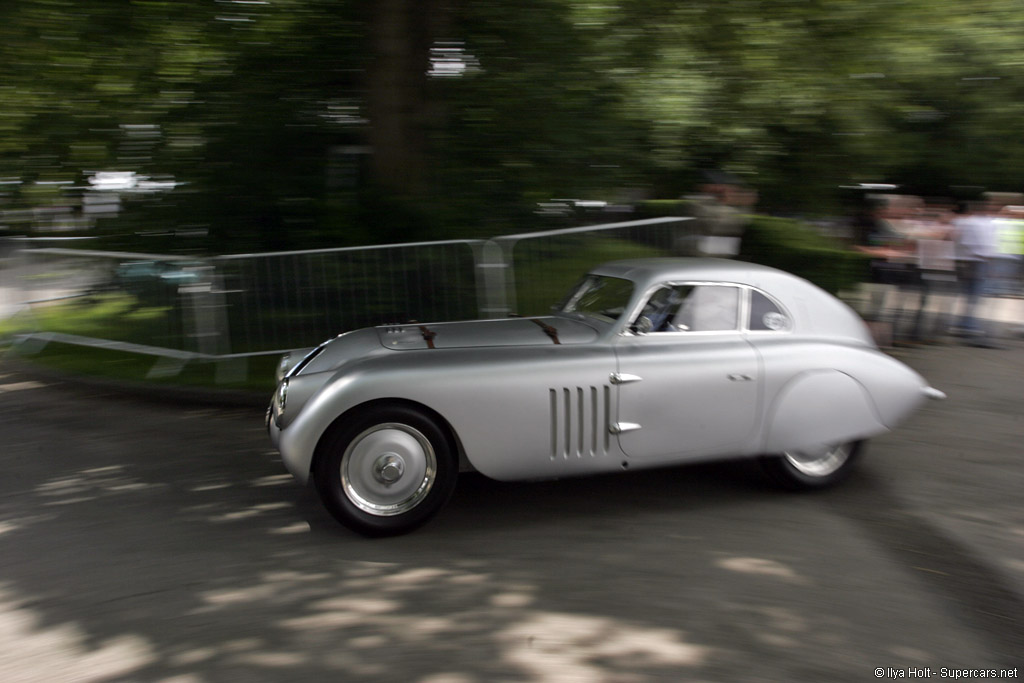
(579, 421)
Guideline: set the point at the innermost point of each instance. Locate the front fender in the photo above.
(518, 413)
(298, 439)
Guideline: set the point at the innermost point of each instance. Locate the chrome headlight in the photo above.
(282, 395)
(280, 399)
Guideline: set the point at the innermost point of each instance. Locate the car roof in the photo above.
(649, 271)
(815, 311)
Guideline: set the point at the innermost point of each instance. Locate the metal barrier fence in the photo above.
(541, 266)
(296, 299)
(36, 279)
(259, 304)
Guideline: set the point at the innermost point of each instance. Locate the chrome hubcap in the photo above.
(388, 469)
(819, 463)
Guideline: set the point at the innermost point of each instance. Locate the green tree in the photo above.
(316, 122)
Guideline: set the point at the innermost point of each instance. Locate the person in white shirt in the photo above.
(976, 245)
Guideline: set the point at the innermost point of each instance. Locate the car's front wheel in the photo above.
(386, 471)
(812, 469)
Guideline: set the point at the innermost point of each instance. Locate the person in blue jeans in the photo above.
(977, 244)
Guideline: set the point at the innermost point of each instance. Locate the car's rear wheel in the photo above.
(386, 471)
(813, 469)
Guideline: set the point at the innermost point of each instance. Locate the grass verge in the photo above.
(255, 374)
(120, 317)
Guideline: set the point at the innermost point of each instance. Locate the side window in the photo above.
(765, 315)
(694, 308)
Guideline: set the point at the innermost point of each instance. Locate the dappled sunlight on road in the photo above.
(249, 512)
(380, 611)
(62, 653)
(273, 480)
(90, 484)
(566, 647)
(19, 386)
(755, 565)
(203, 502)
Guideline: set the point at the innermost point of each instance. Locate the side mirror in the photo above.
(642, 325)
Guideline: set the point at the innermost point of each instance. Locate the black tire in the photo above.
(797, 471)
(386, 470)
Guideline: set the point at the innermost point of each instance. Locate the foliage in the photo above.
(544, 279)
(788, 245)
(794, 247)
(334, 122)
(656, 208)
(116, 316)
(131, 369)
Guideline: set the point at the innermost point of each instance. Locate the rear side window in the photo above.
(765, 315)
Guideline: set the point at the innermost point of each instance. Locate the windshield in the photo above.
(598, 296)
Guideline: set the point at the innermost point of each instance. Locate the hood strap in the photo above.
(428, 336)
(548, 330)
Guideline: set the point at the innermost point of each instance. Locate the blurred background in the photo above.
(239, 125)
(173, 132)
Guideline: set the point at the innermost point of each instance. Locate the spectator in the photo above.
(1006, 278)
(720, 209)
(976, 246)
(936, 264)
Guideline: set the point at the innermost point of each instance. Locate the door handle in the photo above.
(738, 377)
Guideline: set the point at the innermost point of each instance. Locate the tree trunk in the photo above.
(396, 94)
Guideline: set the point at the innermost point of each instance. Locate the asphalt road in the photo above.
(150, 541)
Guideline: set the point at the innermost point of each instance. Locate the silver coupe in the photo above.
(646, 363)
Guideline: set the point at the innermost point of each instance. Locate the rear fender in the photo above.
(820, 408)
